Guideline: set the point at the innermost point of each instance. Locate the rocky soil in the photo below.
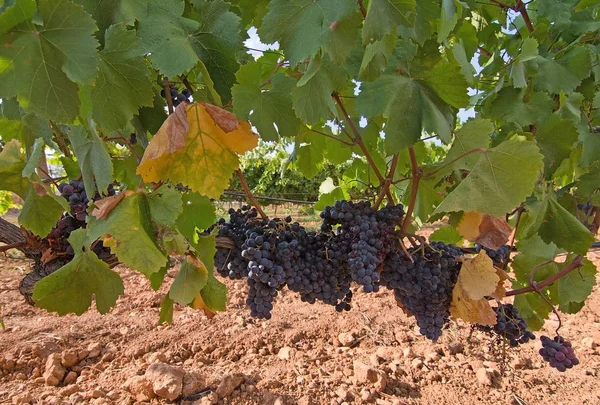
(306, 354)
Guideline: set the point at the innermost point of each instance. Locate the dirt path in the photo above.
(306, 354)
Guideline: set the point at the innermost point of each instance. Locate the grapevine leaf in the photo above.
(156, 279)
(484, 229)
(197, 146)
(199, 303)
(269, 109)
(35, 127)
(214, 293)
(478, 276)
(511, 106)
(564, 73)
(191, 278)
(12, 164)
(311, 98)
(513, 165)
(474, 134)
(177, 43)
(409, 109)
(570, 107)
(583, 4)
(198, 213)
(70, 289)
(428, 197)
(15, 12)
(447, 80)
(591, 146)
(301, 26)
(310, 151)
(375, 57)
(344, 37)
(555, 224)
(129, 232)
(40, 212)
(447, 234)
(451, 11)
(588, 185)
(166, 311)
(477, 312)
(104, 206)
(329, 193)
(123, 83)
(533, 252)
(533, 308)
(384, 16)
(165, 205)
(42, 64)
(93, 158)
(575, 287)
(555, 148)
(34, 160)
(125, 172)
(171, 241)
(427, 14)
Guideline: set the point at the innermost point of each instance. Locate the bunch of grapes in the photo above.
(423, 283)
(74, 192)
(510, 326)
(558, 352)
(319, 266)
(177, 96)
(498, 256)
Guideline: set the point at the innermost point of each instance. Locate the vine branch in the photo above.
(416, 177)
(363, 10)
(332, 137)
(358, 141)
(249, 194)
(388, 182)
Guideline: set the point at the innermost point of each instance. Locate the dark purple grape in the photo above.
(558, 352)
(67, 190)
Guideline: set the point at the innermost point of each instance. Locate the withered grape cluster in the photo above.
(74, 192)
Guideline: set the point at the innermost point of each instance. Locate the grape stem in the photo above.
(249, 194)
(363, 10)
(167, 89)
(575, 264)
(416, 177)
(511, 242)
(332, 137)
(388, 182)
(538, 290)
(358, 141)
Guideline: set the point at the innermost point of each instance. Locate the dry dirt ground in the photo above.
(306, 354)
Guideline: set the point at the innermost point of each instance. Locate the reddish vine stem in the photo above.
(249, 194)
(416, 177)
(595, 226)
(388, 182)
(521, 8)
(268, 81)
(576, 263)
(511, 242)
(363, 10)
(167, 90)
(358, 140)
(332, 137)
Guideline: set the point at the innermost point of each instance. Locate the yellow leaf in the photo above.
(198, 303)
(198, 145)
(500, 289)
(472, 311)
(106, 205)
(478, 276)
(469, 225)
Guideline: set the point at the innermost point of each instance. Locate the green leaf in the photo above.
(35, 158)
(533, 308)
(513, 165)
(311, 99)
(529, 50)
(131, 234)
(165, 205)
(266, 107)
(428, 12)
(384, 16)
(166, 311)
(191, 278)
(449, 84)
(428, 197)
(575, 287)
(156, 279)
(35, 127)
(588, 185)
(570, 107)
(408, 107)
(532, 253)
(556, 139)
(214, 295)
(177, 43)
(447, 234)
(564, 73)
(93, 158)
(451, 12)
(40, 212)
(123, 82)
(583, 4)
(15, 12)
(329, 193)
(125, 172)
(475, 133)
(302, 27)
(42, 64)
(375, 58)
(198, 213)
(12, 164)
(510, 106)
(555, 224)
(310, 150)
(71, 288)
